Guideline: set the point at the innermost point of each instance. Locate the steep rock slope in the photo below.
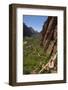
(49, 43)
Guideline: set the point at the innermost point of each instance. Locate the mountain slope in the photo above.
(28, 31)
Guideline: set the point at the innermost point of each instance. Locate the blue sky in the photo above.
(36, 22)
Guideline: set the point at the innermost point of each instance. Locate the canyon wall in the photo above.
(49, 43)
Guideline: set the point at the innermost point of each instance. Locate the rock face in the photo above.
(49, 43)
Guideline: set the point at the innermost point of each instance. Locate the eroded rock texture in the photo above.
(49, 43)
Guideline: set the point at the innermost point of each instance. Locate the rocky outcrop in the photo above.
(49, 43)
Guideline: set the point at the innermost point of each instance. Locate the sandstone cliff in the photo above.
(49, 43)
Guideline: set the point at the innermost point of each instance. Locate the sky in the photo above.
(36, 22)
